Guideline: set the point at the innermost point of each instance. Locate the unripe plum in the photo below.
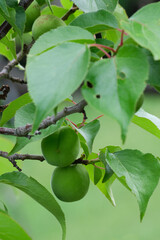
(70, 183)
(44, 24)
(32, 12)
(61, 148)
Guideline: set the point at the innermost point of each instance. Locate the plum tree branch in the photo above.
(71, 11)
(16, 156)
(5, 26)
(25, 130)
(22, 157)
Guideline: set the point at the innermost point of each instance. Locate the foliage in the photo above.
(110, 59)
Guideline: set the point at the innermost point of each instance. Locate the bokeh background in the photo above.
(93, 217)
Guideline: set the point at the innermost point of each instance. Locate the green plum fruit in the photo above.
(70, 183)
(61, 148)
(44, 24)
(139, 102)
(32, 13)
(41, 2)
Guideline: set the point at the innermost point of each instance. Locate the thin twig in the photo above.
(71, 11)
(25, 130)
(102, 46)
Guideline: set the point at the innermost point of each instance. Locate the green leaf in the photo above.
(97, 175)
(139, 171)
(66, 4)
(143, 27)
(154, 71)
(94, 5)
(13, 106)
(114, 85)
(11, 230)
(58, 11)
(6, 146)
(58, 73)
(96, 21)
(25, 115)
(16, 18)
(105, 188)
(36, 191)
(89, 132)
(148, 122)
(3, 7)
(59, 36)
(8, 48)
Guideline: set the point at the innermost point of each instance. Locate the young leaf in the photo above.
(114, 85)
(59, 36)
(96, 21)
(140, 172)
(13, 106)
(58, 73)
(25, 115)
(105, 188)
(94, 5)
(97, 175)
(89, 132)
(143, 27)
(36, 191)
(10, 230)
(148, 122)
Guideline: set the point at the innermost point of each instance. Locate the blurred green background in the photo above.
(93, 217)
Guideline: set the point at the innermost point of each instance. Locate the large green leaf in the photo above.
(11, 230)
(140, 172)
(59, 36)
(96, 21)
(143, 27)
(148, 122)
(25, 115)
(13, 106)
(39, 193)
(57, 73)
(114, 85)
(94, 5)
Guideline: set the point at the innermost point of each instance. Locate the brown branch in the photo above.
(71, 11)
(5, 89)
(25, 130)
(16, 79)
(5, 27)
(16, 156)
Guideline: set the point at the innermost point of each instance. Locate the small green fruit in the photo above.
(44, 24)
(139, 103)
(71, 183)
(61, 148)
(41, 2)
(32, 13)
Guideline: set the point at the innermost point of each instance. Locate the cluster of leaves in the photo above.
(112, 81)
